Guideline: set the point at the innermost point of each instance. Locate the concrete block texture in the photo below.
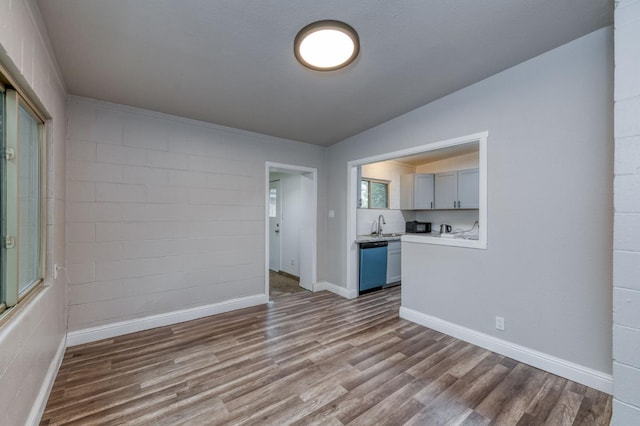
(626, 123)
(627, 156)
(627, 66)
(625, 385)
(626, 266)
(624, 414)
(626, 193)
(626, 269)
(626, 232)
(160, 221)
(627, 349)
(626, 307)
(30, 338)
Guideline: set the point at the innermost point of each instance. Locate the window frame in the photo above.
(14, 99)
(387, 183)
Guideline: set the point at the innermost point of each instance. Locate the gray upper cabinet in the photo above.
(468, 189)
(457, 189)
(417, 192)
(446, 190)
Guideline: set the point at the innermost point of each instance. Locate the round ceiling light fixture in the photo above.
(326, 45)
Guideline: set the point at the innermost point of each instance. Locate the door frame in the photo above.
(308, 244)
(279, 217)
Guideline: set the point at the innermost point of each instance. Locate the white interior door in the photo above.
(275, 216)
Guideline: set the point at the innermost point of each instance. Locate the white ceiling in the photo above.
(231, 62)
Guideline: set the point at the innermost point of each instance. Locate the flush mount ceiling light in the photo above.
(326, 45)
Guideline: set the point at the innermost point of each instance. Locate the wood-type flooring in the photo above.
(309, 359)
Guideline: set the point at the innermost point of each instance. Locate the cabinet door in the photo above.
(406, 192)
(423, 192)
(468, 189)
(394, 260)
(446, 190)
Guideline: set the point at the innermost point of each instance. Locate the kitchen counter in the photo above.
(384, 237)
(458, 240)
(449, 236)
(455, 240)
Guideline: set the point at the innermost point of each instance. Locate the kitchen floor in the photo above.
(309, 358)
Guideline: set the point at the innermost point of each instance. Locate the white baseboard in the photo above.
(340, 291)
(47, 383)
(558, 366)
(106, 331)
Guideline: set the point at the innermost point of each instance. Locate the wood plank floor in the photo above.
(309, 359)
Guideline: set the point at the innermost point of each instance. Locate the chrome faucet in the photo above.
(380, 225)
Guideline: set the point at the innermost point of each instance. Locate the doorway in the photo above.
(275, 218)
(290, 228)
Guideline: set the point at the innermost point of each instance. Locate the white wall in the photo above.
(395, 219)
(165, 213)
(460, 220)
(547, 268)
(391, 171)
(291, 226)
(32, 341)
(626, 255)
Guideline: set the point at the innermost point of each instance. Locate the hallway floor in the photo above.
(280, 285)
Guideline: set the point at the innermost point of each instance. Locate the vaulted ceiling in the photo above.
(231, 62)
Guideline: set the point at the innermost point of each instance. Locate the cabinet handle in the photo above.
(454, 204)
(432, 204)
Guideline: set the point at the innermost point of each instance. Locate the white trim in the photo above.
(561, 367)
(352, 185)
(340, 291)
(475, 137)
(47, 384)
(310, 236)
(106, 331)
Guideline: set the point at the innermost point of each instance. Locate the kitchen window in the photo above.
(22, 197)
(374, 194)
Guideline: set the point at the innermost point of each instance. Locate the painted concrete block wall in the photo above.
(32, 341)
(166, 213)
(626, 243)
(547, 269)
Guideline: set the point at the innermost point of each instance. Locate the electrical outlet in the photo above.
(292, 262)
(500, 323)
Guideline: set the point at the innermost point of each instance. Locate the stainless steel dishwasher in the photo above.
(373, 266)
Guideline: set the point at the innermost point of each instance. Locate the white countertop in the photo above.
(384, 237)
(456, 240)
